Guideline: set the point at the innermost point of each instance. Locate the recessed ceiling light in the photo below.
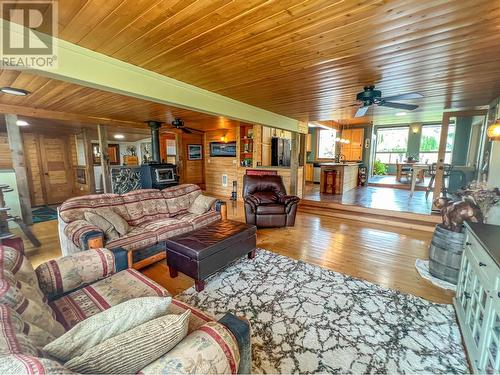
(119, 136)
(22, 123)
(14, 91)
(401, 114)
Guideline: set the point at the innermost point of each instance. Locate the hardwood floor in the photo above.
(380, 254)
(375, 197)
(389, 181)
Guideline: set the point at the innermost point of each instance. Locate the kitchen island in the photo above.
(346, 177)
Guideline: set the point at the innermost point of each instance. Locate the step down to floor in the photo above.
(398, 219)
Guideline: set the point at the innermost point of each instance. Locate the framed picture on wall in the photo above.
(195, 152)
(223, 149)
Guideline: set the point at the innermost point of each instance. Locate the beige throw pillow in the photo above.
(109, 230)
(108, 323)
(116, 220)
(201, 204)
(130, 351)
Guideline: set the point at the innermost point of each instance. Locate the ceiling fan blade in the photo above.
(407, 96)
(185, 130)
(194, 130)
(409, 107)
(361, 111)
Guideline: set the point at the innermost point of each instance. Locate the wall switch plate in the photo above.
(234, 161)
(224, 180)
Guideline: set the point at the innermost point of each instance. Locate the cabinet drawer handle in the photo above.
(468, 244)
(481, 264)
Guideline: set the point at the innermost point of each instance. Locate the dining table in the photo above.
(418, 173)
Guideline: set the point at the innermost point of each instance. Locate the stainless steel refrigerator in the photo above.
(280, 152)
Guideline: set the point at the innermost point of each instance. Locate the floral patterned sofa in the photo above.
(36, 306)
(153, 216)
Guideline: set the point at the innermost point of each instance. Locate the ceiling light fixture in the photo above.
(400, 113)
(119, 136)
(14, 91)
(22, 123)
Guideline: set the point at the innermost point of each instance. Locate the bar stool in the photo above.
(330, 179)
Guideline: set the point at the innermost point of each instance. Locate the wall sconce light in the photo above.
(223, 138)
(415, 129)
(494, 131)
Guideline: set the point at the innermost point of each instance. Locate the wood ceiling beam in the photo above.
(88, 68)
(64, 116)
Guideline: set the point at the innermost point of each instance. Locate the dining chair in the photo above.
(447, 168)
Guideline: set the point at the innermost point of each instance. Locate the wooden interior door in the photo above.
(438, 182)
(57, 174)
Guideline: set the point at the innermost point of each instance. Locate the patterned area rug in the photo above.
(42, 214)
(306, 319)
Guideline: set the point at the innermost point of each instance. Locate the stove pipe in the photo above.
(155, 141)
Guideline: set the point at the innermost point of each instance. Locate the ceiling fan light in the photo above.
(14, 91)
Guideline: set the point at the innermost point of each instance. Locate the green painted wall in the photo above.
(414, 137)
(312, 155)
(462, 138)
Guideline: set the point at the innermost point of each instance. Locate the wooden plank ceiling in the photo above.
(74, 106)
(305, 59)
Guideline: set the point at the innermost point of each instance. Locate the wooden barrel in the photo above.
(445, 254)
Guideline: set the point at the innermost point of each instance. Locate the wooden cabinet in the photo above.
(309, 172)
(353, 151)
(477, 303)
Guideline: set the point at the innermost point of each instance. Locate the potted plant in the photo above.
(379, 168)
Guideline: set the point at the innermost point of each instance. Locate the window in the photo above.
(326, 143)
(429, 143)
(392, 144)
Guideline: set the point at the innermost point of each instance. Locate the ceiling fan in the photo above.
(370, 96)
(179, 125)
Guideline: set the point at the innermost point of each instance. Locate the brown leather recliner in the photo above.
(266, 202)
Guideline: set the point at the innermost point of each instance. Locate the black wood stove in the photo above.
(157, 175)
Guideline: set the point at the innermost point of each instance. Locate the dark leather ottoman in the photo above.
(206, 250)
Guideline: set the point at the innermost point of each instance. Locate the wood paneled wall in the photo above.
(218, 166)
(34, 164)
(34, 169)
(193, 171)
(5, 158)
(78, 189)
